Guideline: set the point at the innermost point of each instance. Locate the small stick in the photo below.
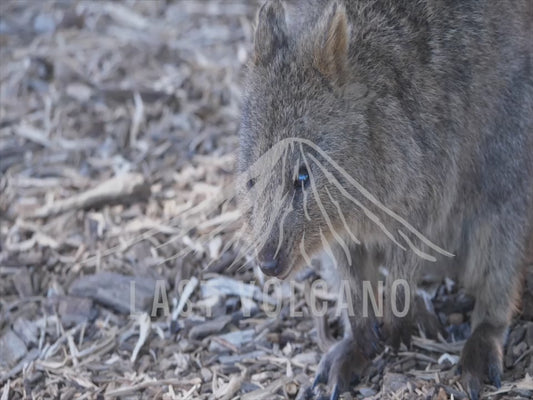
(118, 189)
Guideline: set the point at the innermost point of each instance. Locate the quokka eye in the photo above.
(250, 184)
(302, 180)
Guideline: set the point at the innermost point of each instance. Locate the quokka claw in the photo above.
(339, 369)
(335, 394)
(495, 375)
(474, 391)
(320, 378)
(481, 361)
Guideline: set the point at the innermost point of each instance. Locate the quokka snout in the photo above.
(396, 133)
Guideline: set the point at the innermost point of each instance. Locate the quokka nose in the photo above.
(269, 267)
(268, 263)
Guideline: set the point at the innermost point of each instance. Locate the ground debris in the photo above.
(114, 290)
(119, 189)
(12, 349)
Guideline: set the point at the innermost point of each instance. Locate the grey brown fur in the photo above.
(428, 104)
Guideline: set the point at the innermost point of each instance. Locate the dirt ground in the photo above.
(115, 118)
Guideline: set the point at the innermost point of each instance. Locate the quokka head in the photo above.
(298, 117)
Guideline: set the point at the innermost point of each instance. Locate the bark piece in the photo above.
(115, 291)
(12, 348)
(27, 331)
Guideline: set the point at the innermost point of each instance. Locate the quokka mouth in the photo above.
(286, 273)
(292, 268)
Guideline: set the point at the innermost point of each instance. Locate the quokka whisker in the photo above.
(189, 231)
(235, 239)
(242, 254)
(123, 246)
(173, 239)
(251, 247)
(243, 266)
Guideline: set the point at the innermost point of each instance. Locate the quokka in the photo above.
(394, 132)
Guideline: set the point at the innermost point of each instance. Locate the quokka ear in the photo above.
(271, 31)
(332, 39)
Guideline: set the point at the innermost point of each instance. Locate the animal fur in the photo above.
(428, 105)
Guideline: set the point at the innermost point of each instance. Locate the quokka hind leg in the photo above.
(492, 275)
(400, 299)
